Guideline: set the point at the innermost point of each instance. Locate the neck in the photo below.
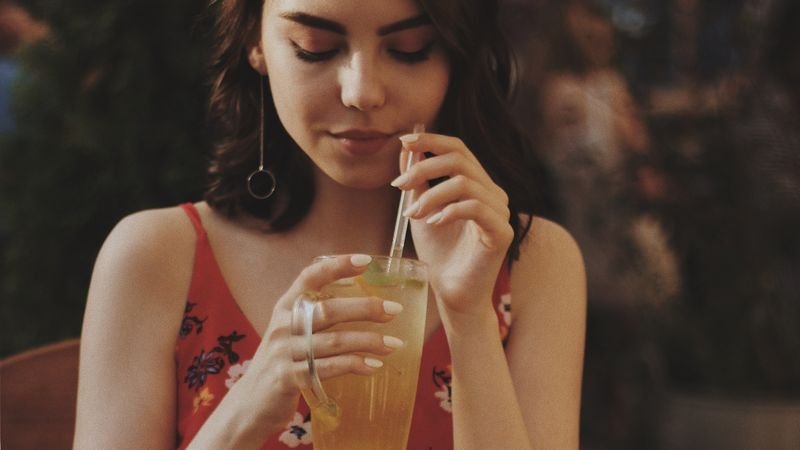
(348, 220)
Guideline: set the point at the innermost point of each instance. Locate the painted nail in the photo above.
(360, 260)
(374, 363)
(401, 180)
(393, 342)
(434, 218)
(409, 138)
(412, 209)
(391, 307)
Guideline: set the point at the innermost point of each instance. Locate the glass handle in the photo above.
(303, 322)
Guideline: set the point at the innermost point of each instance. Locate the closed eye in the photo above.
(413, 57)
(403, 56)
(312, 57)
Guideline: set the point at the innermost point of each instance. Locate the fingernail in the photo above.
(393, 342)
(434, 218)
(401, 180)
(374, 363)
(412, 209)
(409, 138)
(391, 307)
(360, 260)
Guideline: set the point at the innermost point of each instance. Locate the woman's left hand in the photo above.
(460, 226)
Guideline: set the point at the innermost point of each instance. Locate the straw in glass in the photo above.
(401, 222)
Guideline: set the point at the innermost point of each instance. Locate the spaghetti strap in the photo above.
(194, 216)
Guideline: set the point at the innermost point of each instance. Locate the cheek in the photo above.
(426, 93)
(296, 96)
(297, 110)
(443, 85)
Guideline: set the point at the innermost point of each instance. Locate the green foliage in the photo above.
(110, 113)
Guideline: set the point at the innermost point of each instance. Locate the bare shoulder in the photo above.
(145, 264)
(155, 237)
(550, 265)
(157, 227)
(548, 243)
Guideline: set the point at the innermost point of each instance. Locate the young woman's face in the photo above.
(350, 76)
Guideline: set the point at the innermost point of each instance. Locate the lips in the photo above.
(362, 142)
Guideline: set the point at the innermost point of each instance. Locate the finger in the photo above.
(328, 270)
(404, 156)
(334, 366)
(344, 364)
(332, 311)
(495, 230)
(444, 166)
(404, 169)
(438, 144)
(456, 189)
(344, 342)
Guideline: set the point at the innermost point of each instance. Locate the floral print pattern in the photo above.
(204, 398)
(217, 343)
(505, 309)
(298, 431)
(212, 363)
(442, 378)
(504, 313)
(235, 372)
(190, 323)
(226, 346)
(203, 365)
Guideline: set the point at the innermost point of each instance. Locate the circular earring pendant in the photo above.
(261, 184)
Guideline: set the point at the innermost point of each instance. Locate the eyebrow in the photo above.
(312, 21)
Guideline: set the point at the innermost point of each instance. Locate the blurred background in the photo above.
(671, 134)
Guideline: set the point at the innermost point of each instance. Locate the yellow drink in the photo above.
(375, 411)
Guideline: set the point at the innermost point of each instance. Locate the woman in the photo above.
(343, 81)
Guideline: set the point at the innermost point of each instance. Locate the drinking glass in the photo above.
(354, 412)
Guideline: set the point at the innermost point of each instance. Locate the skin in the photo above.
(363, 86)
(139, 287)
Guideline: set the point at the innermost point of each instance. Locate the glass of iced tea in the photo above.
(374, 412)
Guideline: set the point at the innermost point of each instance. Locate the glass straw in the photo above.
(401, 223)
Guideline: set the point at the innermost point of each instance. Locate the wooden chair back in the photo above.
(38, 390)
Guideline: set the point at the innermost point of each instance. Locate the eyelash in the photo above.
(404, 57)
(413, 57)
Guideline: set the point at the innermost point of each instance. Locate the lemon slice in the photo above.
(376, 276)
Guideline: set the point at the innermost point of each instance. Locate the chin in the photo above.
(364, 180)
(366, 184)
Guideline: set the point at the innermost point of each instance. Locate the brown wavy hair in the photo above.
(475, 110)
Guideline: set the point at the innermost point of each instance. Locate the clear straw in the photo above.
(401, 223)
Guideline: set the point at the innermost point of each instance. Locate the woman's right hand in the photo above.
(279, 369)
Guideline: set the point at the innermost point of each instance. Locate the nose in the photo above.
(362, 85)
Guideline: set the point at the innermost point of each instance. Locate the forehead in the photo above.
(352, 13)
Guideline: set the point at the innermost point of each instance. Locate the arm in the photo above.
(461, 229)
(126, 388)
(529, 397)
(546, 345)
(126, 394)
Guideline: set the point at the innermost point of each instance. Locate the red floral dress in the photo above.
(217, 342)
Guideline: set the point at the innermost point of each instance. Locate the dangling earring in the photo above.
(261, 183)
